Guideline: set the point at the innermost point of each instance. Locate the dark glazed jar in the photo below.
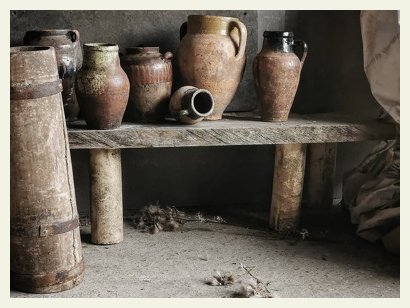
(150, 76)
(67, 47)
(276, 72)
(102, 87)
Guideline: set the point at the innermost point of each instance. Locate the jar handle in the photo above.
(300, 43)
(183, 112)
(73, 35)
(183, 30)
(242, 39)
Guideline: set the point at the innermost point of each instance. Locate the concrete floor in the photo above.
(333, 262)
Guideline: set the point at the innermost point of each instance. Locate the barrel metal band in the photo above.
(36, 91)
(34, 283)
(44, 230)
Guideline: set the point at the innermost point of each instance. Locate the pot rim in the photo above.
(27, 49)
(141, 50)
(50, 32)
(278, 34)
(101, 47)
(224, 18)
(202, 114)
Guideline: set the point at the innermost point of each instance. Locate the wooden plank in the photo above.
(320, 175)
(233, 130)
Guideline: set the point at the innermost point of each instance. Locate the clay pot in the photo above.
(276, 71)
(102, 87)
(211, 56)
(45, 244)
(150, 76)
(69, 60)
(190, 105)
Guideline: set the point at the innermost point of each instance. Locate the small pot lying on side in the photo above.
(189, 105)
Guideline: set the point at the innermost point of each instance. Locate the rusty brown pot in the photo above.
(150, 76)
(102, 87)
(276, 71)
(211, 56)
(190, 105)
(45, 244)
(69, 59)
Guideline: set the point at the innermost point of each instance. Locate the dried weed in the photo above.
(221, 279)
(154, 219)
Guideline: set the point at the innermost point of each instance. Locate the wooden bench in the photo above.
(321, 131)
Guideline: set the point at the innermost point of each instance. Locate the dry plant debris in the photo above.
(221, 279)
(251, 287)
(154, 218)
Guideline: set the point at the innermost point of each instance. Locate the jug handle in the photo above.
(183, 30)
(183, 112)
(242, 40)
(73, 35)
(297, 44)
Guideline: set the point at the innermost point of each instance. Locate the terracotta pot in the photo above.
(276, 71)
(211, 56)
(150, 76)
(69, 59)
(190, 105)
(45, 244)
(102, 87)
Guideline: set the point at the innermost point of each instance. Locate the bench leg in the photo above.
(106, 196)
(287, 186)
(320, 175)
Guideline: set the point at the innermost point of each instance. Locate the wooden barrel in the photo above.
(45, 239)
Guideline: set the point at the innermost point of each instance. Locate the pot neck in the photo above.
(100, 55)
(203, 24)
(278, 41)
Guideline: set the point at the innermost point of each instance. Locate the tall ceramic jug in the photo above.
(276, 71)
(69, 60)
(102, 86)
(211, 56)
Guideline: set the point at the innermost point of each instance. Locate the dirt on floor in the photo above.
(328, 261)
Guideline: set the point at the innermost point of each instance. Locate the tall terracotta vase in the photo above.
(211, 56)
(150, 76)
(67, 47)
(276, 71)
(102, 87)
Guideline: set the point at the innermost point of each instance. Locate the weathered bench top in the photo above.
(233, 130)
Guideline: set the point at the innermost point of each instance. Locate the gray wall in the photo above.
(332, 80)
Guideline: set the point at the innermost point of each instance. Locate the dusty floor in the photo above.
(331, 263)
